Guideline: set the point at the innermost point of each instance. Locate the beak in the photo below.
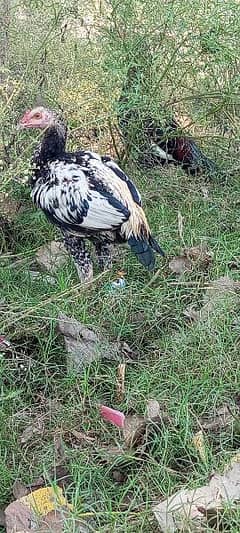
(20, 126)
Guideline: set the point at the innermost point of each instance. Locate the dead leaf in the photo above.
(180, 264)
(153, 409)
(191, 313)
(83, 345)
(33, 430)
(134, 426)
(121, 381)
(18, 518)
(57, 521)
(59, 474)
(200, 254)
(218, 420)
(190, 258)
(19, 489)
(222, 291)
(134, 430)
(52, 256)
(45, 499)
(192, 507)
(25, 513)
(157, 413)
(53, 521)
(199, 445)
(59, 450)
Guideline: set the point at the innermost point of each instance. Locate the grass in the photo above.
(189, 369)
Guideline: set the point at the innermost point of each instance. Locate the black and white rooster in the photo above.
(87, 196)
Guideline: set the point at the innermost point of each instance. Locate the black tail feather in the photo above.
(154, 244)
(194, 160)
(143, 249)
(209, 166)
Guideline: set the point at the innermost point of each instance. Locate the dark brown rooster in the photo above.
(157, 144)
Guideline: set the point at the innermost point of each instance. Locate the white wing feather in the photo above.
(70, 200)
(110, 163)
(102, 215)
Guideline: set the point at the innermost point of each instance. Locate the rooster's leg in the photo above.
(104, 256)
(76, 247)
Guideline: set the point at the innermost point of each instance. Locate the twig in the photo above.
(113, 139)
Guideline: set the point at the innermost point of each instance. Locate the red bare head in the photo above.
(39, 117)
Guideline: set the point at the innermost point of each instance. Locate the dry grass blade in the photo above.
(180, 226)
(218, 420)
(199, 445)
(121, 381)
(81, 436)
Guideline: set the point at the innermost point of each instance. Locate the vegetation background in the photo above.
(76, 55)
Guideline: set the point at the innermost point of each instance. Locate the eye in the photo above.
(37, 115)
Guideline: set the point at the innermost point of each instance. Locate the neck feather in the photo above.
(53, 143)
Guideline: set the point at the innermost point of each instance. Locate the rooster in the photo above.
(157, 144)
(87, 196)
